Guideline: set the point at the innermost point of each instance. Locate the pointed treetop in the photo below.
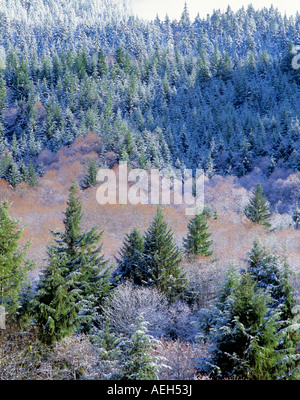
(185, 16)
(258, 209)
(73, 213)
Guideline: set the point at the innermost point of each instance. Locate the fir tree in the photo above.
(143, 160)
(90, 179)
(108, 346)
(161, 260)
(120, 57)
(272, 165)
(130, 257)
(203, 67)
(83, 264)
(196, 242)
(102, 66)
(95, 277)
(13, 175)
(258, 209)
(246, 335)
(66, 242)
(2, 96)
(137, 363)
(272, 273)
(84, 254)
(254, 333)
(14, 267)
(22, 81)
(55, 304)
(5, 162)
(32, 176)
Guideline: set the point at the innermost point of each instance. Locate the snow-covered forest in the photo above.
(219, 93)
(215, 93)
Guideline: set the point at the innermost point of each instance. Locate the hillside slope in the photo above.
(41, 209)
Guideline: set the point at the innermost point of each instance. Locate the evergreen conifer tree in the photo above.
(203, 67)
(55, 304)
(258, 209)
(90, 179)
(246, 335)
(13, 175)
(95, 273)
(102, 66)
(136, 362)
(161, 260)
(66, 242)
(272, 273)
(196, 242)
(83, 265)
(108, 345)
(272, 165)
(32, 176)
(130, 257)
(2, 96)
(14, 267)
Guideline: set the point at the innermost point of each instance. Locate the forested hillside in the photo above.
(216, 93)
(125, 292)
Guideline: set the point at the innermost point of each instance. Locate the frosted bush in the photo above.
(180, 322)
(129, 302)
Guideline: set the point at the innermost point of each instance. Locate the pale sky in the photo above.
(149, 8)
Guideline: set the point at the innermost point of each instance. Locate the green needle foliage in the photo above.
(272, 272)
(107, 343)
(247, 338)
(14, 267)
(254, 325)
(136, 362)
(130, 257)
(56, 305)
(258, 209)
(161, 260)
(90, 179)
(153, 259)
(74, 258)
(196, 242)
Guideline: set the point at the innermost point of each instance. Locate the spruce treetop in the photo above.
(162, 259)
(197, 241)
(258, 209)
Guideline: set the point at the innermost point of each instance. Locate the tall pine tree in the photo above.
(56, 303)
(161, 260)
(246, 338)
(82, 265)
(196, 242)
(14, 267)
(273, 273)
(130, 257)
(90, 179)
(258, 209)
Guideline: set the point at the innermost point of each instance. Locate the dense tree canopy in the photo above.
(216, 92)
